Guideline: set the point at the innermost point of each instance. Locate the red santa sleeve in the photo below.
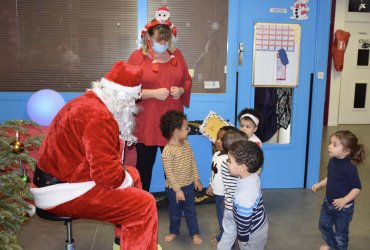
(186, 80)
(101, 142)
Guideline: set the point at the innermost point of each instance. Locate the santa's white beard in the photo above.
(123, 108)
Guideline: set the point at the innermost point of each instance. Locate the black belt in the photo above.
(43, 179)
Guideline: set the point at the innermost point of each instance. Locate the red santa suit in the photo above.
(82, 150)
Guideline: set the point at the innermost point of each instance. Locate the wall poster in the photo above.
(276, 54)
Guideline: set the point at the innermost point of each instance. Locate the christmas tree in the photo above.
(15, 194)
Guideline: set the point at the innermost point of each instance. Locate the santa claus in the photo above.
(79, 171)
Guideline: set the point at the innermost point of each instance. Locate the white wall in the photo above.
(335, 82)
(344, 20)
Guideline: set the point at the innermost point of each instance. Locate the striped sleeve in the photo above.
(230, 183)
(168, 162)
(249, 218)
(179, 165)
(193, 162)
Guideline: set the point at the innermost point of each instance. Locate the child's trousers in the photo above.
(330, 217)
(257, 240)
(230, 233)
(188, 206)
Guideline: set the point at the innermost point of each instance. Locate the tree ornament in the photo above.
(18, 147)
(25, 178)
(25, 216)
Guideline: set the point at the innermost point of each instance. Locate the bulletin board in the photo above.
(276, 54)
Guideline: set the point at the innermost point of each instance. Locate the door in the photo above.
(354, 105)
(285, 149)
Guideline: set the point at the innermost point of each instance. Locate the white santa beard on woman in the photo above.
(123, 108)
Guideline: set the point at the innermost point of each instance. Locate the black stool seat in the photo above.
(48, 216)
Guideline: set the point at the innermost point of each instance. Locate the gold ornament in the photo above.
(25, 216)
(18, 147)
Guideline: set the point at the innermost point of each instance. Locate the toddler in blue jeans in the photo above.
(181, 175)
(342, 187)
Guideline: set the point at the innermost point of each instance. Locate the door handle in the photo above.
(240, 53)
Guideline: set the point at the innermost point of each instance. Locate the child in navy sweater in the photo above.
(342, 187)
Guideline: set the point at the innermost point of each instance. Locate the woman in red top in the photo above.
(166, 85)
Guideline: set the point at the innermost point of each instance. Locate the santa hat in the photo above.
(124, 77)
(162, 16)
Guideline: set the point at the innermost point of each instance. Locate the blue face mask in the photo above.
(159, 48)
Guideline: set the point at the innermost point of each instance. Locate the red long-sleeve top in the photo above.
(147, 121)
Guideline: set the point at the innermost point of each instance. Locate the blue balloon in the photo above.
(44, 105)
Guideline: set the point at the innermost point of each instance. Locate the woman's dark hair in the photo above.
(252, 112)
(349, 141)
(170, 121)
(232, 136)
(248, 153)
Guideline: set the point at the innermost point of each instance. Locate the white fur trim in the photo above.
(127, 182)
(120, 88)
(54, 195)
(254, 119)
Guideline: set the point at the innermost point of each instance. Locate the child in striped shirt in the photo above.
(181, 175)
(244, 159)
(228, 223)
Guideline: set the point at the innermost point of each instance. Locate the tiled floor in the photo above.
(293, 217)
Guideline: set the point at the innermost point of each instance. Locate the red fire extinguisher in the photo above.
(338, 48)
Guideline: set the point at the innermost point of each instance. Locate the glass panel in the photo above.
(363, 57)
(358, 6)
(202, 39)
(360, 95)
(275, 106)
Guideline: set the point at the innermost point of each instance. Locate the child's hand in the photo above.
(180, 196)
(339, 203)
(316, 187)
(198, 185)
(209, 191)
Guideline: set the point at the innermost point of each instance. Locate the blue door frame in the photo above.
(287, 165)
(224, 104)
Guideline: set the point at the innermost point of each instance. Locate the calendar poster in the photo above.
(276, 54)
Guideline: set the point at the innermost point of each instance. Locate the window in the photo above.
(63, 45)
(202, 39)
(360, 96)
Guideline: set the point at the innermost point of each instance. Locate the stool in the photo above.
(69, 243)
